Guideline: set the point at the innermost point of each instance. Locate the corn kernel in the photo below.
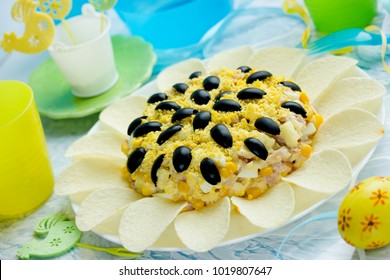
(232, 167)
(197, 204)
(225, 172)
(284, 173)
(318, 120)
(266, 171)
(240, 193)
(147, 189)
(223, 191)
(253, 193)
(183, 187)
(145, 177)
(124, 170)
(125, 147)
(229, 169)
(309, 112)
(136, 142)
(304, 98)
(299, 163)
(306, 150)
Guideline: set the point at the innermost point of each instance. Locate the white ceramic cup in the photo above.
(88, 65)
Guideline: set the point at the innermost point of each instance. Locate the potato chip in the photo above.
(119, 115)
(232, 58)
(271, 209)
(355, 154)
(145, 220)
(204, 229)
(110, 226)
(179, 72)
(168, 239)
(349, 131)
(108, 200)
(328, 171)
(304, 199)
(101, 143)
(354, 71)
(239, 227)
(316, 76)
(90, 174)
(79, 197)
(356, 92)
(280, 61)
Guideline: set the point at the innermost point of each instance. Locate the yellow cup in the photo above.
(26, 177)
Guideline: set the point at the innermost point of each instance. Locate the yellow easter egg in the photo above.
(364, 214)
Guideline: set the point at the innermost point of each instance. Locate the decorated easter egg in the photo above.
(364, 214)
(57, 9)
(103, 5)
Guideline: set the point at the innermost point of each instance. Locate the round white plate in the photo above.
(240, 228)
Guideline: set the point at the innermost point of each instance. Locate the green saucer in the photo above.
(134, 60)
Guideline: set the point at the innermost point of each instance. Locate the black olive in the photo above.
(258, 76)
(201, 96)
(250, 93)
(219, 96)
(195, 74)
(168, 133)
(291, 85)
(167, 105)
(180, 87)
(256, 147)
(156, 165)
(244, 69)
(134, 124)
(183, 113)
(135, 159)
(145, 128)
(160, 96)
(210, 171)
(227, 105)
(181, 158)
(267, 125)
(295, 107)
(221, 135)
(201, 120)
(210, 83)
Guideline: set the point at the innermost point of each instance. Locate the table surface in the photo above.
(319, 240)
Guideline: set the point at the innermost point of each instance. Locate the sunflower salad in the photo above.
(235, 132)
(245, 138)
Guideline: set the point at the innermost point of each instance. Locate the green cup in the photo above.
(333, 15)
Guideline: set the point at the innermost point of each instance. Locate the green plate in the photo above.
(134, 60)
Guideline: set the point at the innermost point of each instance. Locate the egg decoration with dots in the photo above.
(364, 214)
(103, 5)
(57, 9)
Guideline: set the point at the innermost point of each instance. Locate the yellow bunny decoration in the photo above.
(39, 29)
